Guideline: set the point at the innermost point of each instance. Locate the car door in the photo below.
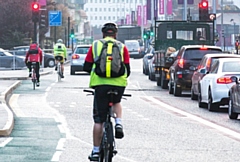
(237, 96)
(3, 57)
(206, 81)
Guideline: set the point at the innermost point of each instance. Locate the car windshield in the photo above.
(198, 53)
(132, 45)
(82, 50)
(6, 53)
(232, 66)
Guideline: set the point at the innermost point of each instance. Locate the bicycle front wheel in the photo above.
(59, 71)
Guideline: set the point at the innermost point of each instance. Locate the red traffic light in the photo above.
(203, 4)
(35, 6)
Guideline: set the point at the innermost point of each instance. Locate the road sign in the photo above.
(55, 18)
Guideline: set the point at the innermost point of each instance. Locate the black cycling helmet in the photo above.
(110, 28)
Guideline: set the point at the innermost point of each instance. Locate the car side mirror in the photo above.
(203, 71)
(234, 79)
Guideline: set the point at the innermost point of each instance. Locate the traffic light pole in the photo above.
(35, 32)
(68, 33)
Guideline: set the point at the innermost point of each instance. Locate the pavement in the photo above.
(10, 80)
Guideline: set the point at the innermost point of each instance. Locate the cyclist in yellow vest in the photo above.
(103, 84)
(60, 50)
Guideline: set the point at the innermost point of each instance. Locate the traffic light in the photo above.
(43, 19)
(72, 33)
(35, 11)
(144, 34)
(151, 31)
(203, 11)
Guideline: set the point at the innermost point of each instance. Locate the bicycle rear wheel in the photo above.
(59, 71)
(34, 80)
(106, 149)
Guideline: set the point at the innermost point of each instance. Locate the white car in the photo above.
(78, 58)
(215, 85)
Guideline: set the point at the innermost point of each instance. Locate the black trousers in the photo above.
(37, 67)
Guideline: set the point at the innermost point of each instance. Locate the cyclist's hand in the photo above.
(65, 59)
(25, 62)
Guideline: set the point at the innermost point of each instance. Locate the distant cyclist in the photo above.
(34, 54)
(103, 84)
(60, 50)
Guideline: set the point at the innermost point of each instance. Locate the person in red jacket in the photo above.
(34, 55)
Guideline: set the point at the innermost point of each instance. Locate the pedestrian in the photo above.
(236, 46)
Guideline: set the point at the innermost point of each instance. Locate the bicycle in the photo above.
(34, 77)
(59, 69)
(107, 146)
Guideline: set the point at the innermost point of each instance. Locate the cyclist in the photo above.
(60, 50)
(34, 54)
(102, 86)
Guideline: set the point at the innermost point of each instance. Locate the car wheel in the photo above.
(200, 103)
(193, 96)
(177, 91)
(164, 82)
(211, 106)
(72, 71)
(231, 113)
(50, 63)
(170, 87)
(146, 71)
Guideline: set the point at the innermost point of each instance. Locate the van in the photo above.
(133, 48)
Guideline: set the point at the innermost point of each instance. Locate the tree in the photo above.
(16, 22)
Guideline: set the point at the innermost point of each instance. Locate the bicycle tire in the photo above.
(59, 71)
(107, 144)
(34, 78)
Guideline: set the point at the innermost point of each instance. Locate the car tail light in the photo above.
(74, 56)
(181, 63)
(179, 74)
(224, 80)
(203, 48)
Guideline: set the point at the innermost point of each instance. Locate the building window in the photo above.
(118, 9)
(91, 9)
(109, 9)
(95, 17)
(113, 1)
(100, 17)
(86, 9)
(104, 1)
(91, 1)
(109, 17)
(100, 9)
(126, 1)
(114, 17)
(91, 18)
(131, 1)
(95, 9)
(123, 9)
(105, 9)
(100, 1)
(104, 17)
(113, 9)
(95, 1)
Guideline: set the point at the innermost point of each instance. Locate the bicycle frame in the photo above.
(59, 69)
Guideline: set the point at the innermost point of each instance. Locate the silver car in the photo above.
(215, 85)
(78, 58)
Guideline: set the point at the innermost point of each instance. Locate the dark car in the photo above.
(234, 99)
(146, 60)
(182, 69)
(7, 60)
(49, 60)
(205, 64)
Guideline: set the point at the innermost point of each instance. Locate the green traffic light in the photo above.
(144, 36)
(151, 33)
(72, 35)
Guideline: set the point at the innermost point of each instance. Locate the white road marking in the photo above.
(5, 142)
(56, 156)
(48, 89)
(196, 118)
(60, 145)
(71, 105)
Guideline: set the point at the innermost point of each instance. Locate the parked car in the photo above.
(234, 98)
(133, 48)
(8, 60)
(49, 60)
(146, 60)
(187, 59)
(78, 58)
(214, 86)
(151, 69)
(206, 63)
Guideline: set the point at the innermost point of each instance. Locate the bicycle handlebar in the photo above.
(92, 93)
